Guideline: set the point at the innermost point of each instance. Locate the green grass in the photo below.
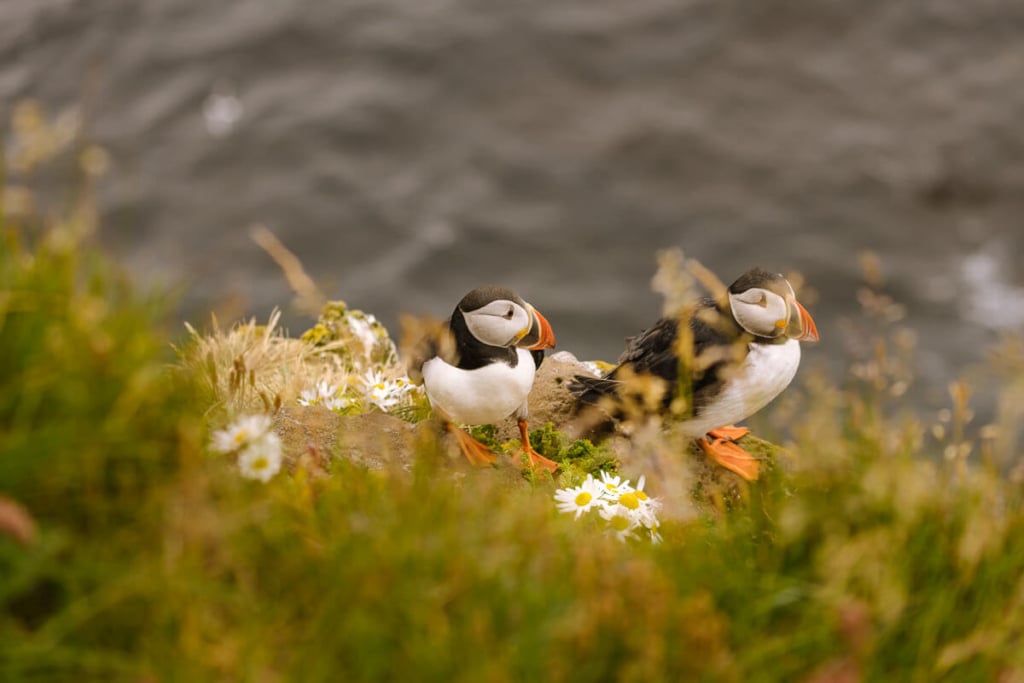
(870, 556)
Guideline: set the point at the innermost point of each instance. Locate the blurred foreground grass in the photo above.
(887, 551)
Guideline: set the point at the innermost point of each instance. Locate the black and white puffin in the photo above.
(745, 351)
(499, 343)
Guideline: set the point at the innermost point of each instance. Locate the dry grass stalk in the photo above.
(255, 368)
(309, 299)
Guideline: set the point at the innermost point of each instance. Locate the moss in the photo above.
(576, 458)
(487, 435)
(318, 335)
(358, 338)
(547, 441)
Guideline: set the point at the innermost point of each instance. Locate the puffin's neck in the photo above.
(473, 353)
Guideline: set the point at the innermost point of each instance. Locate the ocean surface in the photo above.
(409, 150)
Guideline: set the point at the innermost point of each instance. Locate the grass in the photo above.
(885, 548)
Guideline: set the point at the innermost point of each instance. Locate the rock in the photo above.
(306, 429)
(379, 441)
(373, 439)
(313, 435)
(550, 400)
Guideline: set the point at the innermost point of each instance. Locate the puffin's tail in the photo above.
(593, 395)
(590, 390)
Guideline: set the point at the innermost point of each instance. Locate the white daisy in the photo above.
(640, 483)
(646, 516)
(579, 499)
(244, 432)
(641, 506)
(612, 486)
(325, 390)
(326, 395)
(384, 393)
(620, 521)
(372, 378)
(322, 394)
(631, 501)
(653, 531)
(626, 509)
(336, 403)
(261, 460)
(382, 396)
(308, 397)
(646, 502)
(406, 389)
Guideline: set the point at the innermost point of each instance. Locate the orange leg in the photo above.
(722, 448)
(475, 452)
(536, 459)
(730, 433)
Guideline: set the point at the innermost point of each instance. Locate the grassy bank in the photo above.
(886, 548)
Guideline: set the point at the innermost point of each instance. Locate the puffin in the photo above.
(481, 369)
(718, 365)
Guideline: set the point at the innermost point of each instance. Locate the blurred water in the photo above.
(409, 150)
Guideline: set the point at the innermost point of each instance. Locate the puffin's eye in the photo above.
(509, 313)
(763, 301)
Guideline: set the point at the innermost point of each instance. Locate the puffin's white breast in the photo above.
(764, 373)
(481, 396)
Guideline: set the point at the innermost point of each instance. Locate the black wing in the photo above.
(426, 339)
(717, 343)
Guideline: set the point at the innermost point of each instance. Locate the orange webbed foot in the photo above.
(722, 449)
(535, 458)
(477, 453)
(729, 433)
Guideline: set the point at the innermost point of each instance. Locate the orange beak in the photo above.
(808, 330)
(540, 336)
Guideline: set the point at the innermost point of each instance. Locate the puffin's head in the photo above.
(765, 305)
(499, 317)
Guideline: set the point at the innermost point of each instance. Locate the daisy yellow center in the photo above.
(583, 498)
(619, 523)
(241, 436)
(260, 464)
(641, 495)
(630, 500)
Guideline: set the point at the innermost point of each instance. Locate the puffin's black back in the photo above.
(654, 352)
